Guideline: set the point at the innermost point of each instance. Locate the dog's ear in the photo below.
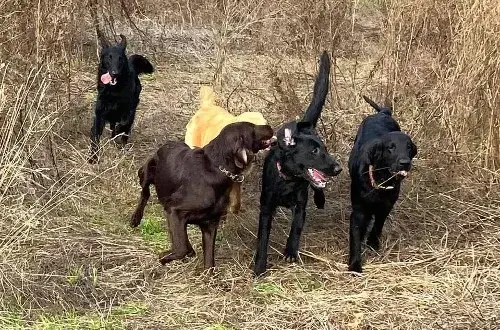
(305, 127)
(101, 38)
(413, 150)
(241, 158)
(263, 132)
(123, 42)
(375, 150)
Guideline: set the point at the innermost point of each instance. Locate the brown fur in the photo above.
(192, 188)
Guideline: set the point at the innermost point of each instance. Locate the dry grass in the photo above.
(69, 260)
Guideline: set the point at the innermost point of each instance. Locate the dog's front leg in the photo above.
(235, 198)
(373, 239)
(299, 217)
(358, 224)
(265, 218)
(95, 134)
(209, 233)
(178, 236)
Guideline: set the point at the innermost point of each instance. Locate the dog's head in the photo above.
(303, 154)
(242, 140)
(394, 151)
(113, 61)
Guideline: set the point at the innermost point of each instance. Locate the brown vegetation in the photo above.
(68, 259)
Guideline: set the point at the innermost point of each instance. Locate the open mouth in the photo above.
(108, 79)
(317, 178)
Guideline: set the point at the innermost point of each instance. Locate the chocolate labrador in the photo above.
(193, 185)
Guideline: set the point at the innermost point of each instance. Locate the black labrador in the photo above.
(298, 160)
(380, 159)
(118, 90)
(193, 185)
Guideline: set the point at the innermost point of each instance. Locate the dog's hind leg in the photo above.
(146, 176)
(358, 225)
(95, 134)
(373, 239)
(299, 217)
(209, 233)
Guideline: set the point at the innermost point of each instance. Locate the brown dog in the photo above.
(193, 185)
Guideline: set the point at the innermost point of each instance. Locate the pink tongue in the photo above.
(106, 78)
(318, 175)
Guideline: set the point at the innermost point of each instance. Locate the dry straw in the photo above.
(67, 257)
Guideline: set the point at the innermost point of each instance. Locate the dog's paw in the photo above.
(135, 220)
(258, 271)
(166, 257)
(93, 159)
(291, 254)
(259, 268)
(355, 267)
(373, 243)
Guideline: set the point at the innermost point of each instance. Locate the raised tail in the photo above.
(320, 91)
(141, 64)
(386, 110)
(207, 96)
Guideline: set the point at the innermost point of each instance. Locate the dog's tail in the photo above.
(141, 64)
(386, 110)
(320, 91)
(146, 176)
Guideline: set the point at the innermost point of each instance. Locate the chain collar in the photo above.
(232, 176)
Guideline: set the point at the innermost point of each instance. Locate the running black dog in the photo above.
(298, 160)
(380, 159)
(118, 90)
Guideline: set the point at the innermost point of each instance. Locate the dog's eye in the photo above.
(391, 148)
(315, 151)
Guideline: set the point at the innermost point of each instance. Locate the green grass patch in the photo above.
(153, 232)
(267, 288)
(69, 321)
(130, 309)
(73, 320)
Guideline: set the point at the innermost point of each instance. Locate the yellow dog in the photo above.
(208, 122)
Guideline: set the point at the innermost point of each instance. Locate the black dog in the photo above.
(380, 158)
(118, 89)
(298, 160)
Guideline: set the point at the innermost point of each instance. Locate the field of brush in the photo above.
(69, 260)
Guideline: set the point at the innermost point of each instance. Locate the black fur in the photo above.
(116, 104)
(290, 187)
(380, 143)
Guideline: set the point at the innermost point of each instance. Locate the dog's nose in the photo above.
(404, 162)
(114, 72)
(337, 170)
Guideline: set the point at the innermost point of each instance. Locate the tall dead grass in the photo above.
(436, 60)
(445, 55)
